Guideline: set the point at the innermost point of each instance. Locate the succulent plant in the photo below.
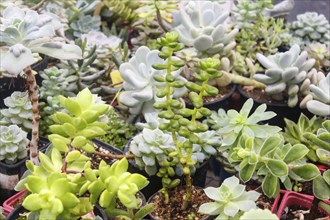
(201, 26)
(273, 161)
(321, 94)
(2, 217)
(285, 72)
(321, 54)
(79, 123)
(320, 142)
(19, 110)
(139, 84)
(13, 144)
(123, 12)
(25, 32)
(120, 131)
(311, 27)
(85, 24)
(321, 186)
(258, 214)
(232, 125)
(229, 199)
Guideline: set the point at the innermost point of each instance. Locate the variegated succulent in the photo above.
(19, 111)
(200, 25)
(285, 72)
(13, 144)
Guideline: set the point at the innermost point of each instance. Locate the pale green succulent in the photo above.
(274, 161)
(25, 33)
(258, 214)
(232, 125)
(13, 144)
(321, 53)
(294, 133)
(85, 24)
(320, 105)
(230, 199)
(19, 110)
(139, 83)
(321, 186)
(151, 149)
(311, 27)
(285, 72)
(200, 25)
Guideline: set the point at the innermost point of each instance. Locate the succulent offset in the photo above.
(25, 33)
(13, 144)
(229, 199)
(285, 72)
(19, 111)
(311, 27)
(139, 84)
(200, 25)
(320, 105)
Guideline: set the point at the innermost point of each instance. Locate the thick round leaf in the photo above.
(269, 185)
(277, 167)
(321, 189)
(247, 171)
(296, 152)
(269, 145)
(306, 172)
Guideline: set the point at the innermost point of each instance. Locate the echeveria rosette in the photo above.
(201, 26)
(151, 149)
(285, 71)
(229, 199)
(19, 111)
(321, 94)
(231, 125)
(25, 33)
(13, 144)
(139, 83)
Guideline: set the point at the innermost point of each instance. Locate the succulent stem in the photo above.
(188, 192)
(33, 94)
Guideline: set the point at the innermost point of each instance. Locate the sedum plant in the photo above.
(13, 144)
(139, 83)
(230, 200)
(19, 111)
(285, 72)
(311, 27)
(321, 94)
(79, 123)
(199, 24)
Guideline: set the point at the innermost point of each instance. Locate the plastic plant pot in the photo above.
(293, 198)
(8, 205)
(277, 201)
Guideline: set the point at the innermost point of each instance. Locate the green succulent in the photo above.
(2, 217)
(232, 125)
(320, 143)
(230, 200)
(285, 72)
(275, 162)
(321, 186)
(85, 24)
(294, 133)
(120, 131)
(311, 27)
(321, 53)
(121, 12)
(79, 123)
(200, 25)
(19, 110)
(13, 144)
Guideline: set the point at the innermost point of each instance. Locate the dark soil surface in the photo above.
(261, 95)
(264, 202)
(172, 210)
(297, 212)
(96, 159)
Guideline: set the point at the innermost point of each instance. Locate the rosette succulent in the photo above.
(85, 24)
(200, 25)
(285, 72)
(321, 53)
(25, 33)
(230, 199)
(13, 144)
(19, 110)
(311, 27)
(139, 83)
(321, 94)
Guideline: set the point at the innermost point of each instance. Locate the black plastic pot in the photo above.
(15, 171)
(8, 86)
(224, 102)
(282, 110)
(155, 183)
(15, 214)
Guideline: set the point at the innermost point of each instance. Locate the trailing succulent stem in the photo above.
(182, 122)
(34, 97)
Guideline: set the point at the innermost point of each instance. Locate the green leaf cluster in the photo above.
(79, 123)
